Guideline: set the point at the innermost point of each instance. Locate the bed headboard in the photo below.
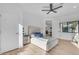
(32, 29)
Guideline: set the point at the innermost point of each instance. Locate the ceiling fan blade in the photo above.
(57, 7)
(51, 5)
(48, 12)
(45, 10)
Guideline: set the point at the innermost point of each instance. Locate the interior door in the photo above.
(20, 36)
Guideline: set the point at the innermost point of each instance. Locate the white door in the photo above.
(20, 36)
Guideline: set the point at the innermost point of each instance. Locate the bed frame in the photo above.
(45, 44)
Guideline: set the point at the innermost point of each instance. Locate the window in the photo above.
(69, 26)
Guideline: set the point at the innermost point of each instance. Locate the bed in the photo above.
(46, 43)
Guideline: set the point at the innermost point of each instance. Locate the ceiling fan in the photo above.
(53, 8)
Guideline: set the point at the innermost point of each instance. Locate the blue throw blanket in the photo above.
(38, 34)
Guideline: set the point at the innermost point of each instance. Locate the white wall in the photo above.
(11, 17)
(33, 20)
(0, 27)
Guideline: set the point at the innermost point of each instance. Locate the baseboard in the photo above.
(2, 52)
(64, 39)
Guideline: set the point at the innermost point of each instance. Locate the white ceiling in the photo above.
(35, 8)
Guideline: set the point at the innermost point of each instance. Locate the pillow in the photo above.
(32, 36)
(38, 34)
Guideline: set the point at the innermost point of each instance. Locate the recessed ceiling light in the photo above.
(74, 6)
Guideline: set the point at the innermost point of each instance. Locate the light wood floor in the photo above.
(63, 48)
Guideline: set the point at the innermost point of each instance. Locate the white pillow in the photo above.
(32, 36)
